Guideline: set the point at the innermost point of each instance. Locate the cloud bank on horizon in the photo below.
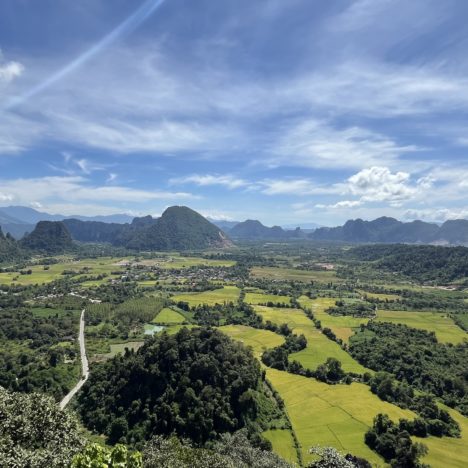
(285, 111)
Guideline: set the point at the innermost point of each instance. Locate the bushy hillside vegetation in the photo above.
(178, 228)
(197, 383)
(49, 237)
(9, 249)
(415, 356)
(422, 263)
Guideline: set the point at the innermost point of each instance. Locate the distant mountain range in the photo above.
(152, 233)
(18, 220)
(254, 230)
(178, 228)
(390, 230)
(226, 226)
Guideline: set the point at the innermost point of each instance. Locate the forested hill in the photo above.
(252, 229)
(390, 230)
(9, 249)
(179, 228)
(420, 262)
(197, 384)
(50, 237)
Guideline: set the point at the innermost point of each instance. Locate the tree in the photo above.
(231, 451)
(34, 432)
(96, 456)
(329, 458)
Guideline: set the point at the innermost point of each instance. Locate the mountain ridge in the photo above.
(390, 230)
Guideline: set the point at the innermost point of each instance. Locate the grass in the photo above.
(332, 415)
(217, 296)
(319, 347)
(259, 340)
(283, 443)
(119, 348)
(262, 298)
(287, 274)
(169, 316)
(445, 329)
(342, 326)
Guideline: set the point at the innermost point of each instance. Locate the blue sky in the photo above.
(290, 111)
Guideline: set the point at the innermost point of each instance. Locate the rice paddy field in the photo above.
(445, 329)
(262, 298)
(283, 443)
(319, 347)
(39, 275)
(287, 274)
(342, 326)
(168, 261)
(217, 296)
(169, 316)
(259, 340)
(332, 415)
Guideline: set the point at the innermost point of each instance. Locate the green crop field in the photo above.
(217, 296)
(261, 298)
(343, 326)
(319, 347)
(287, 274)
(176, 261)
(446, 330)
(259, 340)
(332, 415)
(169, 316)
(283, 443)
(39, 275)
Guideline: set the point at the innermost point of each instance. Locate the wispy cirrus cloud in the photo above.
(225, 180)
(55, 189)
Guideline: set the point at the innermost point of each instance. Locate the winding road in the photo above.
(84, 365)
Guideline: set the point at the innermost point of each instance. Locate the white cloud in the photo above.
(225, 180)
(379, 184)
(436, 214)
(6, 197)
(313, 144)
(9, 70)
(340, 204)
(289, 186)
(53, 190)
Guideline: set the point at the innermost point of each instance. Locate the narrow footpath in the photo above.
(84, 365)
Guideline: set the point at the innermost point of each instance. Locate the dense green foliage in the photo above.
(432, 420)
(355, 309)
(35, 433)
(394, 443)
(49, 237)
(421, 263)
(231, 451)
(97, 456)
(9, 249)
(415, 357)
(29, 352)
(197, 383)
